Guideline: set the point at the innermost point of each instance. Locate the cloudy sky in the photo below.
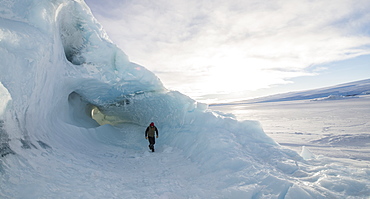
(217, 50)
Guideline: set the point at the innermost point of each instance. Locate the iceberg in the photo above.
(74, 110)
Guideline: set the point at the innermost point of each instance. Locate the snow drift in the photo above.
(60, 71)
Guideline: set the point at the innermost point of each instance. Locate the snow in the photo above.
(333, 136)
(342, 91)
(59, 71)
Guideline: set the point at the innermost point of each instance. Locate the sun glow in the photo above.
(234, 46)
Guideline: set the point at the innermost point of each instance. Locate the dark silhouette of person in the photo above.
(150, 133)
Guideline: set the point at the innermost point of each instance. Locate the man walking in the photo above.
(150, 132)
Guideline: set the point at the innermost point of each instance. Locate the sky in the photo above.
(217, 50)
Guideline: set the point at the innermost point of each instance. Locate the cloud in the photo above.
(207, 47)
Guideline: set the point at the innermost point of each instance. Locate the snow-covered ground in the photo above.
(333, 128)
(329, 129)
(59, 71)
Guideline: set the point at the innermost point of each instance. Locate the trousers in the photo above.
(151, 141)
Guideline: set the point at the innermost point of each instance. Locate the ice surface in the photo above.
(321, 126)
(333, 133)
(306, 153)
(59, 66)
(4, 99)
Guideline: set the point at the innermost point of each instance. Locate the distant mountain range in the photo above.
(340, 91)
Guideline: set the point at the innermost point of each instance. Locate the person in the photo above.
(150, 133)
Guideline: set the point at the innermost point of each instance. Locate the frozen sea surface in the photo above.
(334, 128)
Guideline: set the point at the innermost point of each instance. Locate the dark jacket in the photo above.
(151, 131)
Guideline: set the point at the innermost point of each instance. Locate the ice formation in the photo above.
(60, 70)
